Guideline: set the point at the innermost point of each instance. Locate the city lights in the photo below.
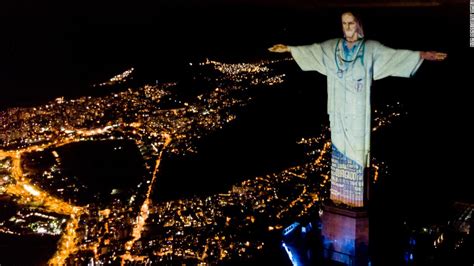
(157, 122)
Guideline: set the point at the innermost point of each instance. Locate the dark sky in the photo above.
(55, 47)
(63, 46)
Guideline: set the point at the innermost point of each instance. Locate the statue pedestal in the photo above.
(345, 234)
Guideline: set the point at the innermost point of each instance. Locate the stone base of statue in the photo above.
(345, 235)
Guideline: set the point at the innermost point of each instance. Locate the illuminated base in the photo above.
(345, 235)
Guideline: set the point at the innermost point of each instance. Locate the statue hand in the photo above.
(279, 48)
(433, 56)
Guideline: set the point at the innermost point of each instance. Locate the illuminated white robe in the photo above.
(348, 106)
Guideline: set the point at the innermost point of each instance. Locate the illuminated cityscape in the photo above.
(132, 228)
(80, 205)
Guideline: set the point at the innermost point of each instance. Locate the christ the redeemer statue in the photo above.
(350, 64)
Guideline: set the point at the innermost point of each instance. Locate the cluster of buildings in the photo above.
(131, 228)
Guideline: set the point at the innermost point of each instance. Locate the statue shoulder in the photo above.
(331, 43)
(372, 46)
(372, 43)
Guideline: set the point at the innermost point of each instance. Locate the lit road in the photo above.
(144, 211)
(28, 194)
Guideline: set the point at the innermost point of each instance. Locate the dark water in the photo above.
(52, 54)
(260, 141)
(26, 250)
(103, 167)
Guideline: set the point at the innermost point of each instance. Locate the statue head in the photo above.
(351, 27)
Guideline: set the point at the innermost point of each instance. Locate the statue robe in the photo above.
(348, 106)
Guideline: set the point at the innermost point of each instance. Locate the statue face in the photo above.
(349, 26)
